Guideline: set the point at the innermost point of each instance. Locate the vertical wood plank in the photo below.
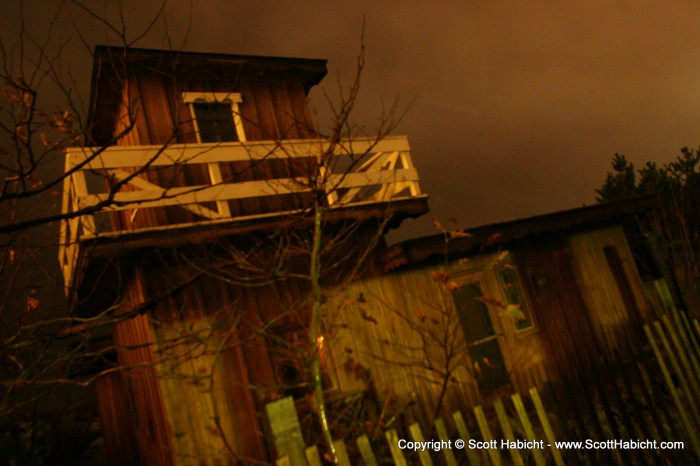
(285, 430)
(680, 374)
(638, 411)
(675, 334)
(312, 456)
(682, 411)
(585, 414)
(507, 431)
(464, 435)
(341, 453)
(417, 436)
(527, 426)
(366, 450)
(442, 435)
(392, 439)
(693, 345)
(610, 422)
(486, 435)
(549, 433)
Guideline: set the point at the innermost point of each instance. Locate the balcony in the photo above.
(134, 196)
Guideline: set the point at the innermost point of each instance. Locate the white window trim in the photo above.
(234, 98)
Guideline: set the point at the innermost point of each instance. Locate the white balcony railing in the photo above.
(355, 172)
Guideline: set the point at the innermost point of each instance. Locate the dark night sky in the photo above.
(517, 107)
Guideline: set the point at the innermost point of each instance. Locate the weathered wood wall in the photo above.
(579, 311)
(192, 374)
(131, 400)
(271, 109)
(383, 321)
(611, 288)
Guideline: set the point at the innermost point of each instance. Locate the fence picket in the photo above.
(682, 411)
(366, 450)
(692, 342)
(464, 435)
(442, 435)
(507, 431)
(527, 426)
(486, 435)
(685, 385)
(417, 436)
(341, 453)
(675, 345)
(286, 430)
(284, 461)
(690, 374)
(392, 439)
(312, 456)
(542, 414)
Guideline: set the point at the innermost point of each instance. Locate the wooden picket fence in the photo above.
(655, 399)
(675, 341)
(294, 453)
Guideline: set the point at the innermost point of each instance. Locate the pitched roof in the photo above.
(432, 248)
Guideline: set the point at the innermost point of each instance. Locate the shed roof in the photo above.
(432, 248)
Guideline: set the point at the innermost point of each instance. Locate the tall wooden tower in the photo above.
(190, 151)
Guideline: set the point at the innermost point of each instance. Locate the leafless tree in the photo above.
(44, 345)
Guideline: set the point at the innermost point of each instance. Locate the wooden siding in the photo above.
(375, 333)
(195, 370)
(617, 309)
(149, 432)
(272, 109)
(561, 315)
(204, 376)
(117, 419)
(197, 365)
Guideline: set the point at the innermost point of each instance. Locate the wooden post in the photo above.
(312, 456)
(286, 431)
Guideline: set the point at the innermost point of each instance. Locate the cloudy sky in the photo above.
(516, 107)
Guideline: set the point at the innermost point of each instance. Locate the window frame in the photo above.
(233, 98)
(479, 277)
(525, 306)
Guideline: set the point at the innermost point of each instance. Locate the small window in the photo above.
(513, 291)
(215, 116)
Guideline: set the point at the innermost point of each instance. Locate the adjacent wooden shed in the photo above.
(511, 306)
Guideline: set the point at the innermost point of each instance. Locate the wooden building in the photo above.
(497, 309)
(192, 156)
